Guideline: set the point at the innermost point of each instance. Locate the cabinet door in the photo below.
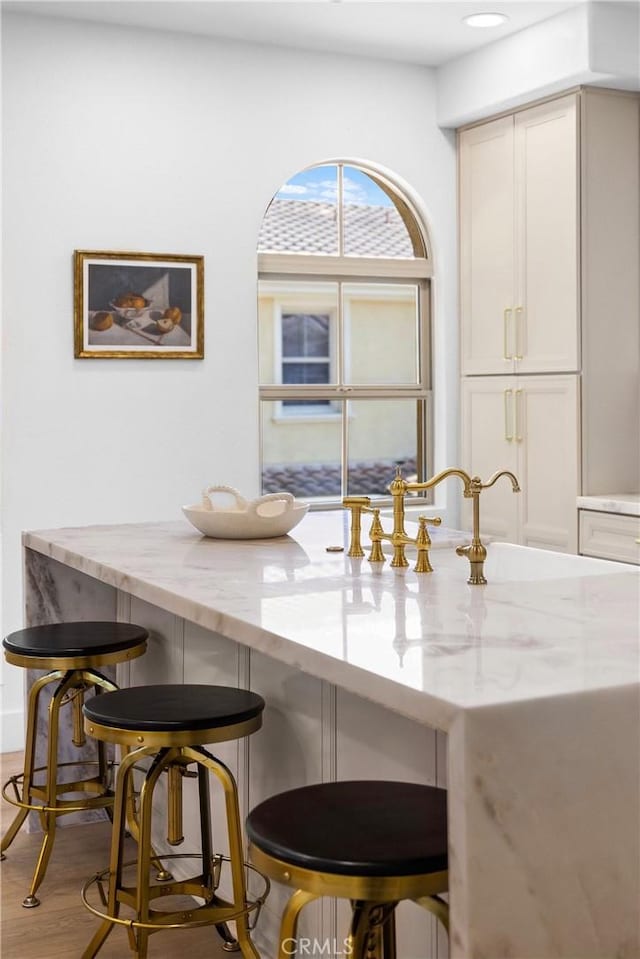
(546, 178)
(487, 247)
(547, 441)
(488, 444)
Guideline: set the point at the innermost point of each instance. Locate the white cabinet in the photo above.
(487, 253)
(528, 425)
(550, 285)
(610, 536)
(519, 242)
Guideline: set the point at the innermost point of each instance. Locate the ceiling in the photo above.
(426, 32)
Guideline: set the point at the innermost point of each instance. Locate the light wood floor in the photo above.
(60, 927)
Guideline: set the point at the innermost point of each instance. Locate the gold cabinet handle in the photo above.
(507, 416)
(519, 337)
(518, 405)
(508, 313)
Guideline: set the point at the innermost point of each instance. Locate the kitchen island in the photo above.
(521, 696)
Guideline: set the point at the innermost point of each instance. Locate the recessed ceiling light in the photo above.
(485, 19)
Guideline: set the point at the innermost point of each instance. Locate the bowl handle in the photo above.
(286, 498)
(241, 502)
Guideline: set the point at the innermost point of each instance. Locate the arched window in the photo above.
(344, 335)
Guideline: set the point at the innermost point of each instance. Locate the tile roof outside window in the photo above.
(309, 226)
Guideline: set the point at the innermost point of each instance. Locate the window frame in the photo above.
(280, 269)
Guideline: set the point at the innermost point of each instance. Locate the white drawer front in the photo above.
(610, 536)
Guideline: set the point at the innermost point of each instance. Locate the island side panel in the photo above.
(544, 810)
(375, 743)
(291, 750)
(55, 593)
(442, 742)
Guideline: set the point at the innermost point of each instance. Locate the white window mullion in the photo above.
(275, 265)
(340, 208)
(277, 342)
(345, 448)
(285, 391)
(340, 338)
(346, 342)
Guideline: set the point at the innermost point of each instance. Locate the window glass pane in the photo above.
(311, 374)
(372, 225)
(381, 333)
(296, 320)
(302, 217)
(382, 434)
(305, 334)
(301, 457)
(303, 407)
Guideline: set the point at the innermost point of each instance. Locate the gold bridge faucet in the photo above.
(398, 539)
(475, 552)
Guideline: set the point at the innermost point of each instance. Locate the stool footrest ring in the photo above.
(215, 910)
(102, 794)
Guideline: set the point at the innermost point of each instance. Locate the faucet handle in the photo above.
(423, 543)
(356, 504)
(375, 535)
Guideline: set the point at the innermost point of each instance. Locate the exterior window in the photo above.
(305, 355)
(344, 336)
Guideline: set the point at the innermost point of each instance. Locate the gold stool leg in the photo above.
(437, 906)
(29, 755)
(224, 776)
(229, 941)
(123, 787)
(13, 831)
(288, 945)
(132, 820)
(101, 684)
(50, 818)
(161, 762)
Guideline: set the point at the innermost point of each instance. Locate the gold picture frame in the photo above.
(138, 306)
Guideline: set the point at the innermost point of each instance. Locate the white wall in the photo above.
(120, 139)
(598, 43)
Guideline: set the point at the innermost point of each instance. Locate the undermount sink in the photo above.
(509, 563)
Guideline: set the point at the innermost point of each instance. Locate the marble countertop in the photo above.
(625, 503)
(429, 646)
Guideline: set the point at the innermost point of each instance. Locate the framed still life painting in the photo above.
(138, 305)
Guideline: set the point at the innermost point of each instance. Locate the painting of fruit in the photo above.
(139, 305)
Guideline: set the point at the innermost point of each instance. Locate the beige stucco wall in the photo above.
(382, 349)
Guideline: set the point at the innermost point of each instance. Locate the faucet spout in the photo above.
(508, 474)
(439, 477)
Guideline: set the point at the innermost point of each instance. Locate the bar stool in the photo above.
(168, 726)
(374, 843)
(72, 652)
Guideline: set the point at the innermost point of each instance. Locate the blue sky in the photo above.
(320, 183)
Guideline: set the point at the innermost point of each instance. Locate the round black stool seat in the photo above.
(174, 708)
(72, 640)
(355, 828)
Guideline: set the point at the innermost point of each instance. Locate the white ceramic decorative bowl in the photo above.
(274, 514)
